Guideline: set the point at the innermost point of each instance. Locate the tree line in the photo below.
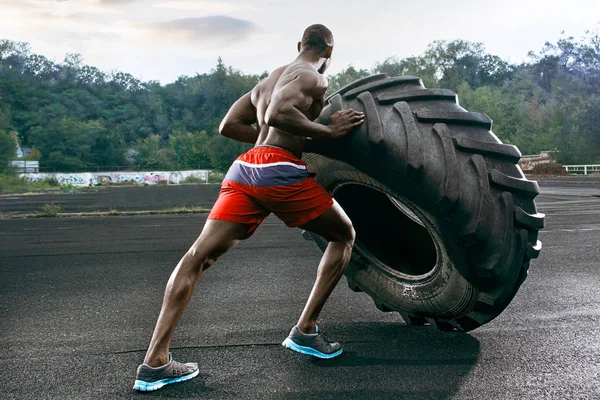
(78, 118)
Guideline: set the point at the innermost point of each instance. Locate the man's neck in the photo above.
(312, 58)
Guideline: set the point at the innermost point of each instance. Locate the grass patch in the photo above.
(49, 211)
(192, 179)
(13, 183)
(53, 210)
(182, 210)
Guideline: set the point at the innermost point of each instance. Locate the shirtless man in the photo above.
(271, 177)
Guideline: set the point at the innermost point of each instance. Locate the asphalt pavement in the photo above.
(120, 198)
(79, 298)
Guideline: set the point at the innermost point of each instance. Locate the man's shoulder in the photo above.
(297, 74)
(311, 79)
(310, 74)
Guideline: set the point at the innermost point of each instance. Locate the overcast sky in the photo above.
(163, 39)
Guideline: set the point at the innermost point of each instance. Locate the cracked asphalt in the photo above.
(79, 298)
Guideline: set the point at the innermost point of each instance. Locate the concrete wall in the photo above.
(94, 178)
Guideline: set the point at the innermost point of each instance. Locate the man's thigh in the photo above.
(333, 225)
(218, 237)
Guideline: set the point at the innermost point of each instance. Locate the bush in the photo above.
(9, 183)
(49, 210)
(52, 181)
(216, 177)
(192, 179)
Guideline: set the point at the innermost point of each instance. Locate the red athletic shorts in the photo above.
(269, 179)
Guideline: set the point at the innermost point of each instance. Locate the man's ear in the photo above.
(328, 52)
(299, 46)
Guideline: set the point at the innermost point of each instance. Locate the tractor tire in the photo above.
(446, 221)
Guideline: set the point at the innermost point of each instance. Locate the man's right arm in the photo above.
(288, 105)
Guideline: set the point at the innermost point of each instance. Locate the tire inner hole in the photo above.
(386, 232)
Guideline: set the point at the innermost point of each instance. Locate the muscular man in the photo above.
(269, 178)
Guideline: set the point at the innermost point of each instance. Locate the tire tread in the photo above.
(382, 84)
(459, 118)
(417, 95)
(505, 151)
(374, 125)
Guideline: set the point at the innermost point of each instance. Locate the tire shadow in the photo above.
(390, 360)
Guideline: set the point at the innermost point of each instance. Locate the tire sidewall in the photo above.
(441, 292)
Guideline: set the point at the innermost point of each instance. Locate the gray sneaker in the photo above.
(312, 345)
(149, 378)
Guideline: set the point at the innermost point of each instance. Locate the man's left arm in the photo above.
(237, 124)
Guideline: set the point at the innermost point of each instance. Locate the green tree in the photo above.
(417, 66)
(108, 148)
(5, 118)
(223, 151)
(345, 77)
(8, 150)
(152, 155)
(67, 143)
(35, 155)
(191, 149)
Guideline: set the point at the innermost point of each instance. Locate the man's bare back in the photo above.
(266, 90)
(289, 100)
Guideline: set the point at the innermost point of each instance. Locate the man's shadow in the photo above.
(381, 360)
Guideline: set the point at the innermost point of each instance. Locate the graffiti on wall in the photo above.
(105, 178)
(175, 178)
(71, 180)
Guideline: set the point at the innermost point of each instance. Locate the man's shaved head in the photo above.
(317, 37)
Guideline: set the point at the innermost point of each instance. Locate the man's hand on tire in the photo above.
(343, 121)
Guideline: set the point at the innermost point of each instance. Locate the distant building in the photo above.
(131, 156)
(24, 151)
(23, 165)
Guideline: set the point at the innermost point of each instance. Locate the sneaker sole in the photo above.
(289, 344)
(144, 386)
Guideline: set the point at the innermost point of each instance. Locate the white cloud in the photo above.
(210, 31)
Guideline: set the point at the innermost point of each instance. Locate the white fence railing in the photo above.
(585, 169)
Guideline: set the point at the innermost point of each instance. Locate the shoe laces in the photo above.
(322, 337)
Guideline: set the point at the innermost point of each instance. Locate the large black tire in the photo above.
(445, 219)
